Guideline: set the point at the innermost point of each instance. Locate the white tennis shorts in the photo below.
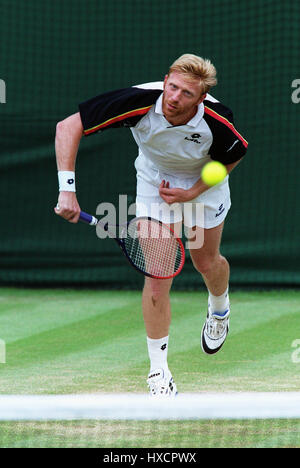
(208, 210)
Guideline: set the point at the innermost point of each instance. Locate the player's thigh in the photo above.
(158, 286)
(210, 249)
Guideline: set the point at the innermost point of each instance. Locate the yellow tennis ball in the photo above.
(213, 173)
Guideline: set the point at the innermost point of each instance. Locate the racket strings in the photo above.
(153, 248)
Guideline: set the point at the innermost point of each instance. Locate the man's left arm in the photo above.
(177, 195)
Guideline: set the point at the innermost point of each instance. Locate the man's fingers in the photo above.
(167, 198)
(167, 194)
(70, 215)
(167, 191)
(67, 206)
(164, 184)
(164, 188)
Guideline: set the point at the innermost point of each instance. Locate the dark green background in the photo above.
(57, 53)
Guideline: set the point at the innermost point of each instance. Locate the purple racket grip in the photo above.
(87, 218)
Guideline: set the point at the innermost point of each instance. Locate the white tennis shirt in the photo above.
(180, 151)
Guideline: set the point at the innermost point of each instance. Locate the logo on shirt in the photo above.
(194, 138)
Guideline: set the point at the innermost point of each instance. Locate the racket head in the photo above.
(152, 248)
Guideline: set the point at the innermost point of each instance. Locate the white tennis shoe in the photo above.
(214, 331)
(161, 384)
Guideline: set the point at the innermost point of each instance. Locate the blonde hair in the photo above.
(197, 68)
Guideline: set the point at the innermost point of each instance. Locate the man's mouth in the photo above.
(170, 106)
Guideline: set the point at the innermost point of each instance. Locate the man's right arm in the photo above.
(120, 108)
(68, 135)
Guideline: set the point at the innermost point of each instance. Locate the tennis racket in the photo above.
(150, 246)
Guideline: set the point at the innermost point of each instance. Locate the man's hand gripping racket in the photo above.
(150, 246)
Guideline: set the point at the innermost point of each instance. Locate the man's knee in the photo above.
(157, 289)
(205, 264)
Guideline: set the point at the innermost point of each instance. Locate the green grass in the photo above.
(150, 434)
(68, 341)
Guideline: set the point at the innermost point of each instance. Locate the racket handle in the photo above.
(87, 218)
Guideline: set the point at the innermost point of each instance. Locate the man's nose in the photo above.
(176, 95)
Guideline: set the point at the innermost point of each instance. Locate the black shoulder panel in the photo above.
(228, 144)
(120, 108)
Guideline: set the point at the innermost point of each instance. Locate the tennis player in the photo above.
(178, 128)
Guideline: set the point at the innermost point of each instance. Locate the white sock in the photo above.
(219, 303)
(158, 353)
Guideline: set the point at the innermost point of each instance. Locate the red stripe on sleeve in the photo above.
(226, 122)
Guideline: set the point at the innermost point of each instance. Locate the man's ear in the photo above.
(165, 80)
(203, 96)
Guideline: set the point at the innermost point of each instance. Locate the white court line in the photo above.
(142, 407)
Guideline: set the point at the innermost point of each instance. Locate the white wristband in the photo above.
(66, 181)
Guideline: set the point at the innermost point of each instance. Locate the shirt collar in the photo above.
(193, 122)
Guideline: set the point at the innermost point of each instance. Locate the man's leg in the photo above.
(157, 318)
(215, 270)
(156, 307)
(210, 263)
(156, 302)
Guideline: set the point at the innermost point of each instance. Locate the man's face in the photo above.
(181, 97)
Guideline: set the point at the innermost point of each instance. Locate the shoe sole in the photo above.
(205, 348)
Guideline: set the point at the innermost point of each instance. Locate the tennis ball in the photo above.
(213, 173)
